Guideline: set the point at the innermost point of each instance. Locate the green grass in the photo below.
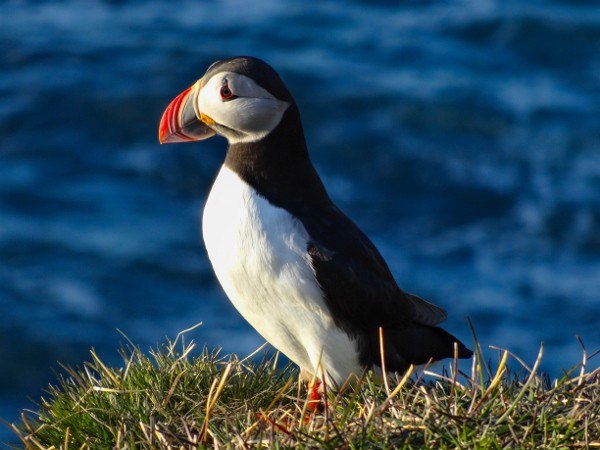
(179, 398)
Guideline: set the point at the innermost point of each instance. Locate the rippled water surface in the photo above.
(463, 137)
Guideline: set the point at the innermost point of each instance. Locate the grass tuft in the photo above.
(175, 398)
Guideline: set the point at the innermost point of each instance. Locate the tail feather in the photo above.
(426, 313)
(416, 344)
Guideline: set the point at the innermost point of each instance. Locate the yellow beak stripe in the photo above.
(206, 119)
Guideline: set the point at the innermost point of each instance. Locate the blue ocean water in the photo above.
(463, 137)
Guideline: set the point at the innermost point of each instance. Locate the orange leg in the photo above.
(314, 396)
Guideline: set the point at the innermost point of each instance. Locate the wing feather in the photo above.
(359, 288)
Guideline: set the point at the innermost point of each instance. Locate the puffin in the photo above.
(292, 263)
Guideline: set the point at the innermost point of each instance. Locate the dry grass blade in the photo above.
(382, 354)
(181, 399)
(212, 399)
(105, 370)
(528, 382)
(495, 381)
(397, 389)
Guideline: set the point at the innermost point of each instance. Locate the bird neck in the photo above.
(278, 166)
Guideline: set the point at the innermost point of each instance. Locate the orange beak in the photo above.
(181, 122)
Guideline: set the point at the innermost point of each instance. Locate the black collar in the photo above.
(278, 167)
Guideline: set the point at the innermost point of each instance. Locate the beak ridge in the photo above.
(180, 122)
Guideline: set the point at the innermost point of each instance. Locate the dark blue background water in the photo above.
(463, 137)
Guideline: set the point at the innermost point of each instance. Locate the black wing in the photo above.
(359, 288)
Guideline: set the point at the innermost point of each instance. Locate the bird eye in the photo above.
(226, 93)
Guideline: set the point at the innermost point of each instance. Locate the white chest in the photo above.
(258, 252)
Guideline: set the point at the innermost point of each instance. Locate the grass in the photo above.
(179, 398)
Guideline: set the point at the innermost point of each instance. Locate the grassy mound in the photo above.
(173, 400)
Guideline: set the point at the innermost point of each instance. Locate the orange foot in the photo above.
(315, 402)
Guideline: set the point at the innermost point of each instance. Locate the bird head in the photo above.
(242, 99)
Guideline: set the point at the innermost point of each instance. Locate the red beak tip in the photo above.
(169, 129)
(163, 138)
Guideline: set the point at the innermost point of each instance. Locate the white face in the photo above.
(235, 101)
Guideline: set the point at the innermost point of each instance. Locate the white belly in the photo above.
(258, 252)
